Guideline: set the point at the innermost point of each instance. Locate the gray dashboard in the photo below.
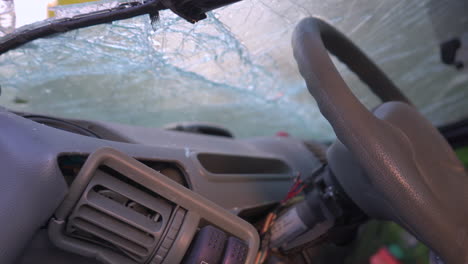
(217, 168)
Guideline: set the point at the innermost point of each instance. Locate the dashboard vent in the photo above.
(117, 215)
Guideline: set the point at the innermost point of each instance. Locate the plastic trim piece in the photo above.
(273, 168)
(190, 10)
(123, 11)
(198, 207)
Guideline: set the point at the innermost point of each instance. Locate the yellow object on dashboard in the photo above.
(51, 13)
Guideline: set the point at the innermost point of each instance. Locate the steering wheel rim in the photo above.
(410, 173)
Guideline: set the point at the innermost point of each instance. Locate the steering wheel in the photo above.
(402, 168)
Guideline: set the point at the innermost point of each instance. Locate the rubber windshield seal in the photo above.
(190, 10)
(123, 11)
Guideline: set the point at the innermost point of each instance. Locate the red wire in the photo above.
(295, 189)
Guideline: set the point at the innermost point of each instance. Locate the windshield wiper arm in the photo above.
(123, 11)
(190, 10)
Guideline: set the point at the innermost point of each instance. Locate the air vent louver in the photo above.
(120, 216)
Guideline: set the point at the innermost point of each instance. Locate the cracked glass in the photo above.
(234, 68)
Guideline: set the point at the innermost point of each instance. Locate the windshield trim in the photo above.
(192, 11)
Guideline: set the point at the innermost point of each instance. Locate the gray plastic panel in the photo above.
(182, 148)
(110, 220)
(229, 168)
(41, 250)
(31, 185)
(160, 184)
(31, 177)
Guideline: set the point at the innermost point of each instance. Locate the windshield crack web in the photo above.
(234, 68)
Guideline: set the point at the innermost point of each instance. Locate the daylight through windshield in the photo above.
(234, 68)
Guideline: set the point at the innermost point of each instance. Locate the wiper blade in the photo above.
(190, 10)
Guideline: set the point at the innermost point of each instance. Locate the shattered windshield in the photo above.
(234, 68)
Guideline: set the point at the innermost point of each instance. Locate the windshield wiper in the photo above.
(190, 10)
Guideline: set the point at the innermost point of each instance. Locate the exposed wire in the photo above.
(297, 187)
(291, 197)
